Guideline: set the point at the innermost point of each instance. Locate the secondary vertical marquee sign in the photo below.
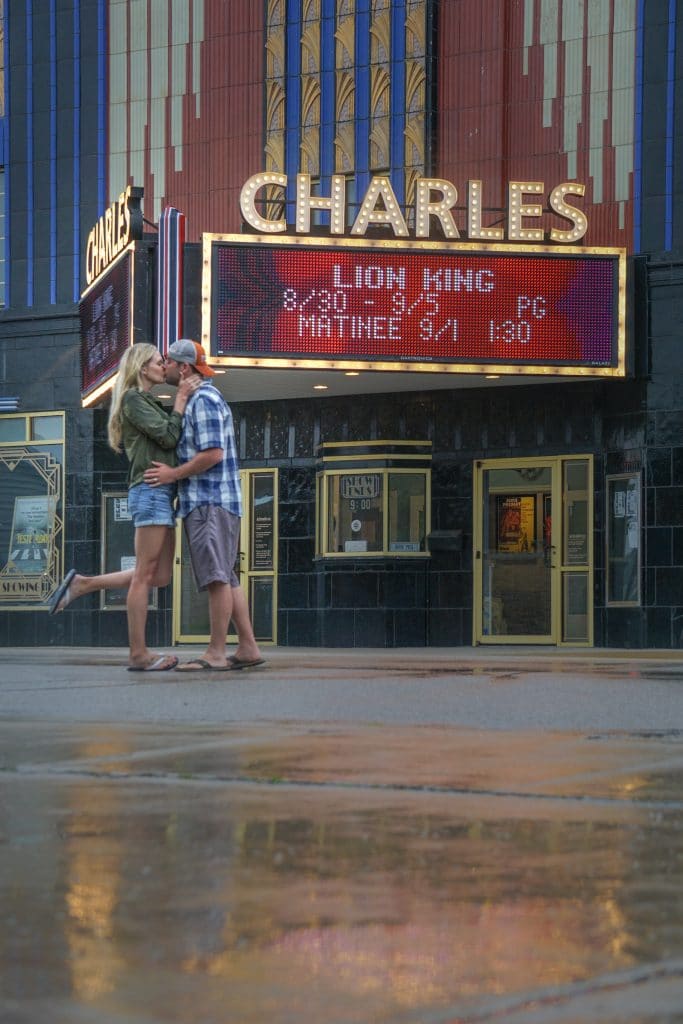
(107, 309)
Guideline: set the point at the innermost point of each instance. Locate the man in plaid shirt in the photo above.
(210, 504)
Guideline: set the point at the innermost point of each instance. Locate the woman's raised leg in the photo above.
(80, 585)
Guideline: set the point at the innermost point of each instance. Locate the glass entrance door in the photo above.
(533, 551)
(256, 566)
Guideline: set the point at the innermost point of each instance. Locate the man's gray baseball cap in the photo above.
(186, 351)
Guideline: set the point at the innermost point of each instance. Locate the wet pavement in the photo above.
(289, 846)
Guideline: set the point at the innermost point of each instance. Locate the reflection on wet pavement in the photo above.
(319, 874)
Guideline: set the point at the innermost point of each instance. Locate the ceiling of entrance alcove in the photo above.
(261, 384)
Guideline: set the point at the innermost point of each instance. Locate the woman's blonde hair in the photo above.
(128, 377)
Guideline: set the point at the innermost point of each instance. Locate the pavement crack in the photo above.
(216, 779)
(534, 1006)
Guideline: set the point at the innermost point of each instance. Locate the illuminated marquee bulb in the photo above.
(248, 195)
(305, 202)
(474, 207)
(369, 214)
(518, 209)
(303, 209)
(425, 208)
(570, 213)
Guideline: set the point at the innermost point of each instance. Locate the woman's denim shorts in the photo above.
(152, 506)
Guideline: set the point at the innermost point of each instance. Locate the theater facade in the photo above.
(433, 254)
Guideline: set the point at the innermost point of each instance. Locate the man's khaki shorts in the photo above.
(213, 536)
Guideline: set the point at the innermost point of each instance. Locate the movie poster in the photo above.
(516, 522)
(30, 525)
(31, 535)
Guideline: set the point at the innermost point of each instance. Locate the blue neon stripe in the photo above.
(77, 152)
(53, 152)
(101, 105)
(327, 94)
(398, 98)
(362, 93)
(292, 100)
(670, 104)
(29, 154)
(638, 141)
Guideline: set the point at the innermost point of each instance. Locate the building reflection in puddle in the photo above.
(380, 902)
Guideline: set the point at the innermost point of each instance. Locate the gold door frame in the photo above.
(561, 570)
(248, 575)
(251, 574)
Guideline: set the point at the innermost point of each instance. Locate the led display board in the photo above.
(106, 323)
(425, 306)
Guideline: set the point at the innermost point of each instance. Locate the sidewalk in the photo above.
(491, 688)
(284, 658)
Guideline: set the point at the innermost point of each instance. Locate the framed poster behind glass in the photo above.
(31, 508)
(118, 548)
(623, 539)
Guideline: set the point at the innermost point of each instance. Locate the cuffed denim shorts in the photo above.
(152, 506)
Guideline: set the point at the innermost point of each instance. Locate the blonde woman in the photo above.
(140, 426)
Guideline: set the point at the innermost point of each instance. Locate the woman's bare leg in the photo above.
(150, 542)
(82, 585)
(165, 571)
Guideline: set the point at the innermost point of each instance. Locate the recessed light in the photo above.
(320, 387)
(352, 373)
(492, 376)
(220, 371)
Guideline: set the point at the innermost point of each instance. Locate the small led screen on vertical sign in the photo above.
(414, 306)
(105, 324)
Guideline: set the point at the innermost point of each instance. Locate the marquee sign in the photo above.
(120, 224)
(421, 306)
(436, 201)
(106, 310)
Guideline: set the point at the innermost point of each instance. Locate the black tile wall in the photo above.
(372, 627)
(337, 628)
(668, 506)
(279, 432)
(676, 629)
(676, 467)
(401, 590)
(677, 544)
(447, 628)
(410, 628)
(659, 546)
(659, 467)
(304, 435)
(659, 630)
(296, 555)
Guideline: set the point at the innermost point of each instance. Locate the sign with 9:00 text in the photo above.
(433, 307)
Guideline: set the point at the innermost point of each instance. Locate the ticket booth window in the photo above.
(407, 507)
(354, 521)
(373, 509)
